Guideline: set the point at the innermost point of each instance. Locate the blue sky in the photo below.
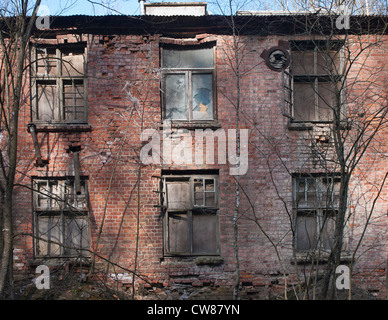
(72, 7)
(130, 7)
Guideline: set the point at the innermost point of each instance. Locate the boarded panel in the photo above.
(178, 195)
(47, 102)
(204, 233)
(73, 62)
(178, 233)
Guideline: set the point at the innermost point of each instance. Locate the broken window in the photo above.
(188, 83)
(315, 202)
(60, 217)
(58, 83)
(316, 82)
(191, 220)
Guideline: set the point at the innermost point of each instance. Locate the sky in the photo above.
(129, 7)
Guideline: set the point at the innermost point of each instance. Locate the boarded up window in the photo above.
(191, 215)
(188, 82)
(61, 218)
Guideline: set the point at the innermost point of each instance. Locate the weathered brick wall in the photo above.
(124, 98)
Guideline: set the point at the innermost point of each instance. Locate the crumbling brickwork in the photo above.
(127, 219)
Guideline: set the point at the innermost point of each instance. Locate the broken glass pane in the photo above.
(176, 108)
(202, 96)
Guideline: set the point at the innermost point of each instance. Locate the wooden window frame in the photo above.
(64, 212)
(190, 211)
(320, 211)
(188, 72)
(289, 79)
(58, 80)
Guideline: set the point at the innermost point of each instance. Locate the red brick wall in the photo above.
(123, 98)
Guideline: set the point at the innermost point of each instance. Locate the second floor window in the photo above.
(188, 84)
(316, 81)
(58, 84)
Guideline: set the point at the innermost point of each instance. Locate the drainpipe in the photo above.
(142, 7)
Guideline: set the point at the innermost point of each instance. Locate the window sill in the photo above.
(59, 261)
(62, 127)
(302, 126)
(194, 125)
(307, 257)
(201, 260)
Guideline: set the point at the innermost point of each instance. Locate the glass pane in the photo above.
(304, 101)
(73, 62)
(328, 63)
(47, 101)
(188, 58)
(49, 229)
(176, 108)
(326, 94)
(209, 184)
(303, 62)
(178, 195)
(198, 185)
(305, 232)
(77, 235)
(199, 199)
(76, 201)
(204, 233)
(328, 233)
(202, 96)
(210, 200)
(178, 233)
(73, 100)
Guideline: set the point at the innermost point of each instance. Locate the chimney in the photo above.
(142, 6)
